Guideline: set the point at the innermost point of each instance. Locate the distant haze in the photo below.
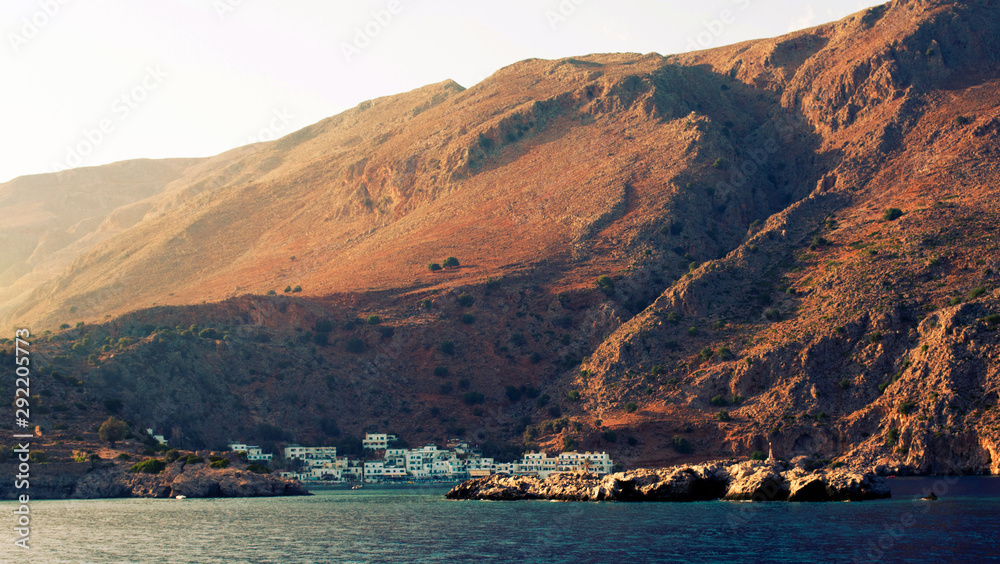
(88, 83)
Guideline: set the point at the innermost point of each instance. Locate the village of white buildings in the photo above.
(457, 461)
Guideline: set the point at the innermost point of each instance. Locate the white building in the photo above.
(254, 453)
(540, 464)
(377, 441)
(157, 438)
(293, 452)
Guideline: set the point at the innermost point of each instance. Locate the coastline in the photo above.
(732, 481)
(108, 480)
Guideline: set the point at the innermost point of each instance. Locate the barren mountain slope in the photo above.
(835, 326)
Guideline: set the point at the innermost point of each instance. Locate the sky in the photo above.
(91, 82)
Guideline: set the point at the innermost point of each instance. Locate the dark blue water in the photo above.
(418, 525)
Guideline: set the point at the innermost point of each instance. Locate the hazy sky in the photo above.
(97, 81)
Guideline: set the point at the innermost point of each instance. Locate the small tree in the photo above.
(450, 262)
(112, 430)
(434, 267)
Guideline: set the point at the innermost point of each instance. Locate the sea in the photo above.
(398, 524)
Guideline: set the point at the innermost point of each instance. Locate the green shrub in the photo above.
(440, 371)
(448, 347)
(219, 464)
(272, 293)
(569, 443)
(845, 384)
(123, 456)
(426, 303)
(610, 436)
(906, 407)
(194, 459)
(875, 337)
(171, 455)
(466, 300)
(631, 407)
(288, 289)
(723, 416)
(434, 267)
(297, 289)
(374, 320)
(681, 445)
(692, 331)
(975, 293)
(468, 318)
(209, 333)
(892, 214)
(605, 284)
(573, 395)
(719, 163)
(64, 326)
(450, 262)
(758, 455)
(473, 398)
(148, 466)
(513, 394)
(323, 326)
(892, 437)
(259, 468)
(355, 345)
(719, 401)
(724, 353)
(772, 314)
(706, 353)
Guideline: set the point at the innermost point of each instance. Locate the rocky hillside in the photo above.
(671, 258)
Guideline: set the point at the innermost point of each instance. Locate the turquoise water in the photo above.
(419, 525)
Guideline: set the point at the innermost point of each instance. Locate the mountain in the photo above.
(787, 241)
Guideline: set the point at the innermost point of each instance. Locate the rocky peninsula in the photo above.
(106, 479)
(736, 481)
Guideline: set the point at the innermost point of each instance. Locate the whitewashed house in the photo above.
(377, 441)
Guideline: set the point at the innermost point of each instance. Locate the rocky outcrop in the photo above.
(191, 480)
(751, 481)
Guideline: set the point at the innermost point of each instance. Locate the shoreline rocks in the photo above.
(74, 481)
(742, 481)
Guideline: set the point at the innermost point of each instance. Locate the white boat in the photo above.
(182, 497)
